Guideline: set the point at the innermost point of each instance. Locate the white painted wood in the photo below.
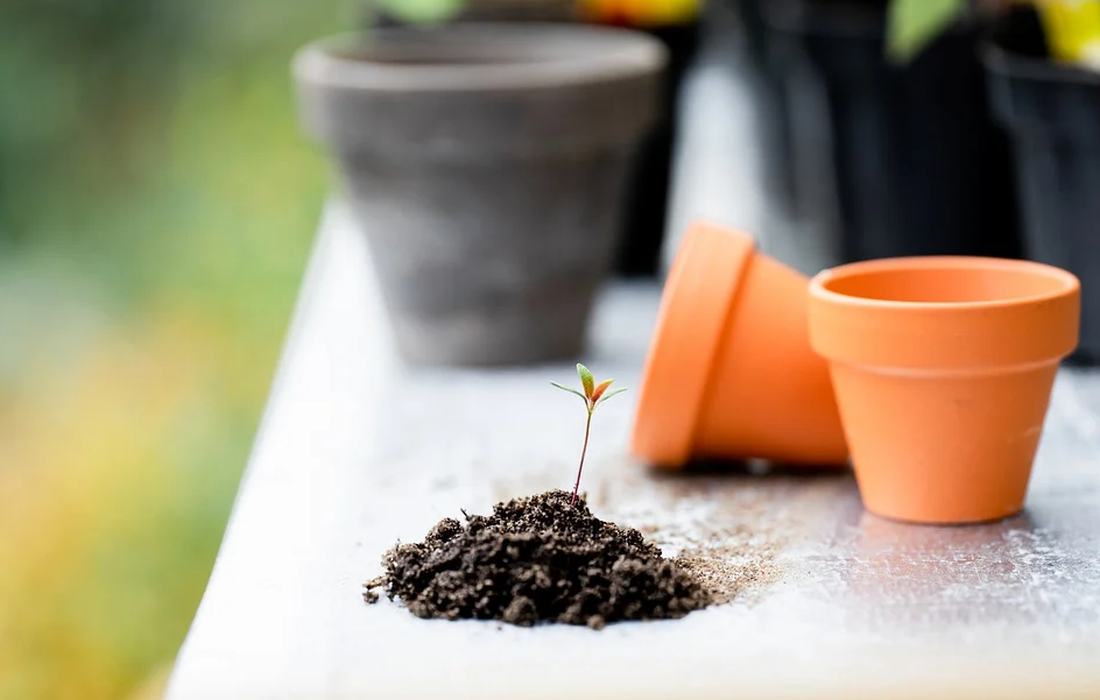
(356, 452)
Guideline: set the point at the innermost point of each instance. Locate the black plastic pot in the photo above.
(1052, 111)
(775, 60)
(648, 190)
(764, 54)
(750, 15)
(920, 167)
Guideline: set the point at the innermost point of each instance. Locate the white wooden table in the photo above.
(356, 452)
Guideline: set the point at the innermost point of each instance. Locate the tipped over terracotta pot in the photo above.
(943, 368)
(730, 372)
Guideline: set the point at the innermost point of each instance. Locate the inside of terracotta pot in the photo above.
(953, 284)
(467, 45)
(429, 55)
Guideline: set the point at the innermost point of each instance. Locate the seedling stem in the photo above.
(594, 394)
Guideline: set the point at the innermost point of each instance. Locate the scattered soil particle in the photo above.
(539, 559)
(731, 573)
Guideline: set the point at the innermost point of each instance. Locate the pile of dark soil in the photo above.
(538, 559)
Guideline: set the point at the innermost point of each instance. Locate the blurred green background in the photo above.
(157, 204)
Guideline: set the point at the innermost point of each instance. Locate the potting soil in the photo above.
(538, 559)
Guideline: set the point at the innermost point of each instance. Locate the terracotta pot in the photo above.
(730, 372)
(943, 368)
(487, 166)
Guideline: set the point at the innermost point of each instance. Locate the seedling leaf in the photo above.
(571, 390)
(587, 380)
(600, 389)
(609, 394)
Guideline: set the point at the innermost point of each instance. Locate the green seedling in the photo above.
(594, 394)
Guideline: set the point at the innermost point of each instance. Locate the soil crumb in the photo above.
(539, 559)
(731, 574)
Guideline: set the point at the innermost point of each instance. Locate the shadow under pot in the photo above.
(919, 166)
(1052, 112)
(486, 164)
(943, 368)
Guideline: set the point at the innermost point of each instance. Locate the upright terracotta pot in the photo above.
(730, 372)
(943, 368)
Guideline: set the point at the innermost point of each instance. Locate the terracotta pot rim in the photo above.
(702, 285)
(1065, 284)
(942, 313)
(474, 57)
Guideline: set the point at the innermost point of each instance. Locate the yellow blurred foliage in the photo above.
(1073, 29)
(122, 441)
(95, 473)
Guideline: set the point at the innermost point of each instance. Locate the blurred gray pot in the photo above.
(487, 165)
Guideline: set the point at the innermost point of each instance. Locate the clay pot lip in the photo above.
(819, 284)
(693, 295)
(472, 57)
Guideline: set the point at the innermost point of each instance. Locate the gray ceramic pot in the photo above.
(487, 165)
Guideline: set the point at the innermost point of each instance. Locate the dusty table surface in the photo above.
(356, 452)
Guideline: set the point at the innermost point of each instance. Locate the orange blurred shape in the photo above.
(639, 13)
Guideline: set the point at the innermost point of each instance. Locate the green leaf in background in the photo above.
(913, 24)
(420, 11)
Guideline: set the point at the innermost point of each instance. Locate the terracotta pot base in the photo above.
(730, 373)
(938, 523)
